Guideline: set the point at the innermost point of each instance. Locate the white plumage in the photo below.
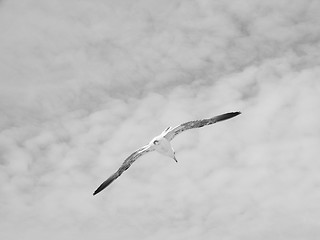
(162, 144)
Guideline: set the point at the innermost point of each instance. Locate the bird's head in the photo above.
(155, 142)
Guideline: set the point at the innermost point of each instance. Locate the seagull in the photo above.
(162, 144)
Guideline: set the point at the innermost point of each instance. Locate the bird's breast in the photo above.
(164, 147)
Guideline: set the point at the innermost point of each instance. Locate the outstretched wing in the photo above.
(125, 165)
(198, 124)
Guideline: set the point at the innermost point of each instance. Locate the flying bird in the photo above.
(162, 144)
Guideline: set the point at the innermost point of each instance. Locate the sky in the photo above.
(85, 83)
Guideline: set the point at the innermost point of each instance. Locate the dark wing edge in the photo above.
(198, 124)
(126, 164)
(107, 182)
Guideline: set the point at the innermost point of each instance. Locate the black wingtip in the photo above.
(227, 116)
(236, 113)
(99, 189)
(106, 183)
(95, 192)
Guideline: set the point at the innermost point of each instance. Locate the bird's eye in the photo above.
(155, 142)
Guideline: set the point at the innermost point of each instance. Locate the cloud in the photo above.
(83, 84)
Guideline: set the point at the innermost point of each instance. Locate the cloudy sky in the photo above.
(85, 83)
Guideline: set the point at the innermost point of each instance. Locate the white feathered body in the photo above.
(163, 146)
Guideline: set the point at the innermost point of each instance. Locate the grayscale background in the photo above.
(85, 83)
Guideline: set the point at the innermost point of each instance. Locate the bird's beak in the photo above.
(174, 157)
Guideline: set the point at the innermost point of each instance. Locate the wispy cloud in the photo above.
(83, 84)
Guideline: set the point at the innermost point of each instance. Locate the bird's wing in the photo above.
(125, 165)
(198, 124)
